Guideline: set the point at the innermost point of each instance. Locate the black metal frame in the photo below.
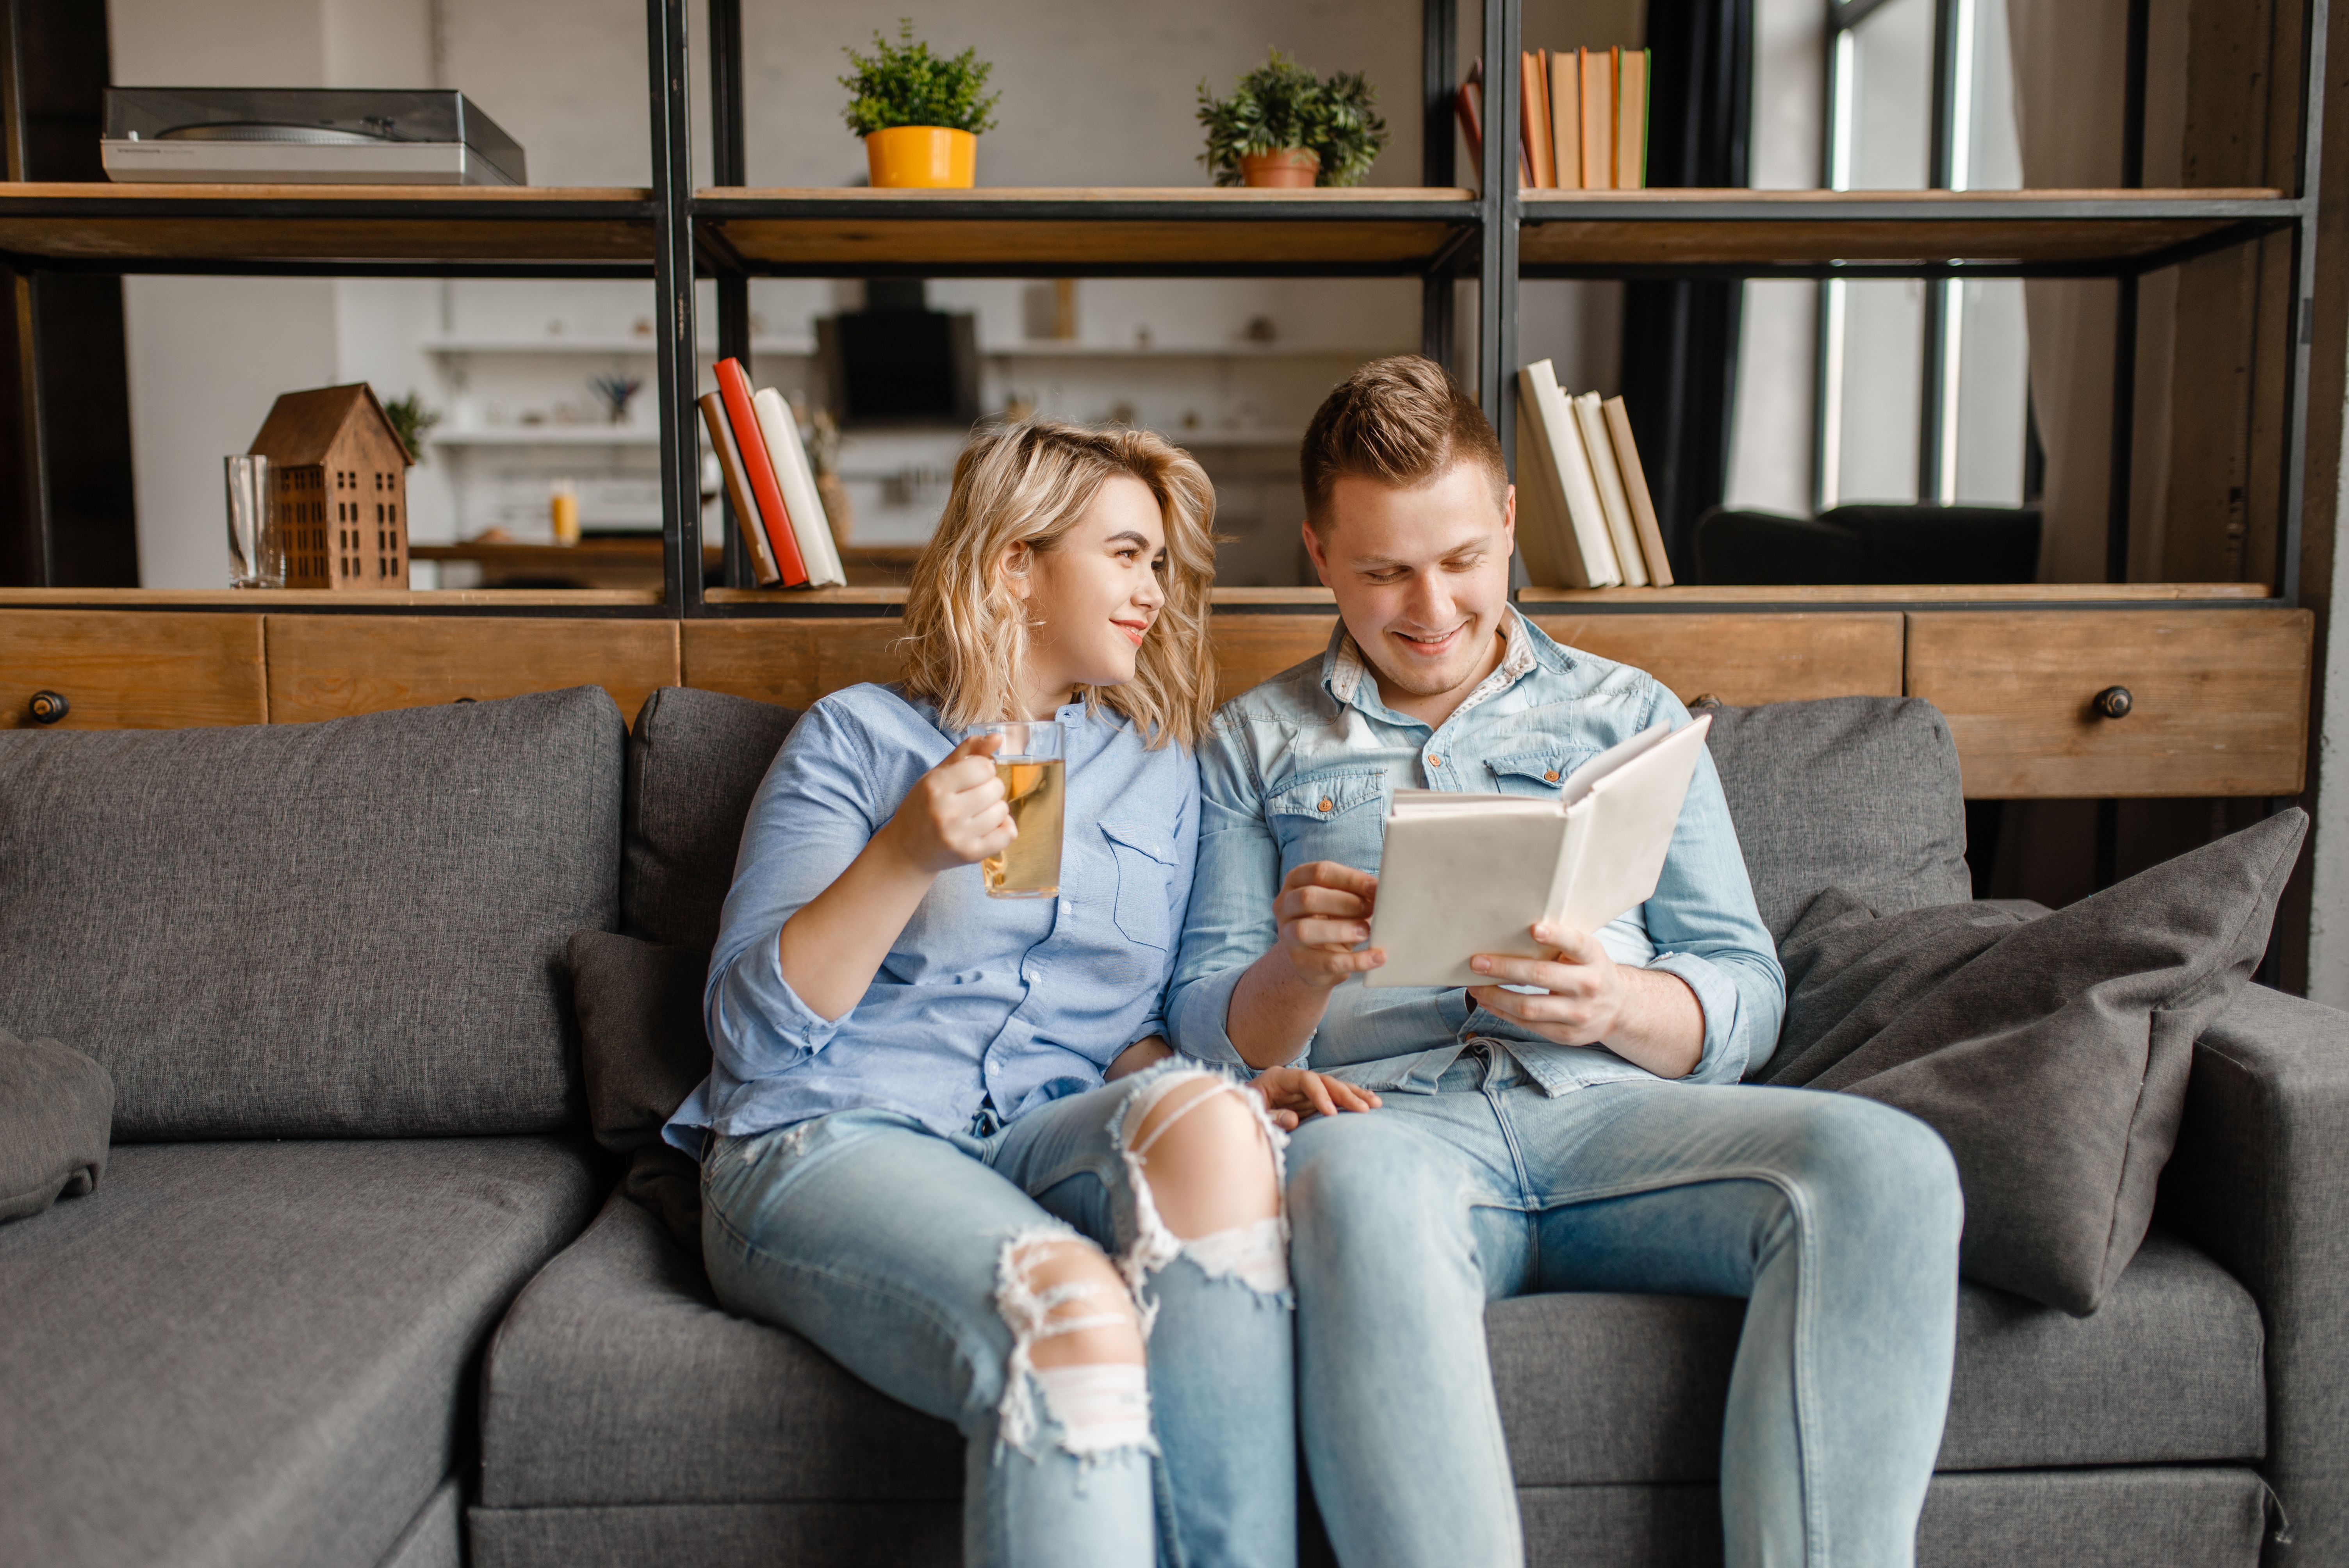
(688, 241)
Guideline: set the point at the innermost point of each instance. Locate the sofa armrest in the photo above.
(2260, 1181)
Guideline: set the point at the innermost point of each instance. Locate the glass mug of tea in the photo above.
(1034, 784)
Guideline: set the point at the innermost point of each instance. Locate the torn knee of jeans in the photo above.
(1102, 1409)
(1255, 1255)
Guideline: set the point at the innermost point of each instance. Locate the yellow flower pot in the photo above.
(911, 157)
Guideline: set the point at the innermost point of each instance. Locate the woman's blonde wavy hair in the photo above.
(1027, 483)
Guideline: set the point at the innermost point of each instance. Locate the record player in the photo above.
(305, 135)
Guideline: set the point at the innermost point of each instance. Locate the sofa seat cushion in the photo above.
(1615, 1389)
(255, 1354)
(617, 1377)
(617, 1380)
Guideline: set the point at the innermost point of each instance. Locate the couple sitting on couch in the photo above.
(1028, 1166)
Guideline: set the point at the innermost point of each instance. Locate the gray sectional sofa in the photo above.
(358, 1286)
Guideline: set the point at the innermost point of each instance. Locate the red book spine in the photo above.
(734, 388)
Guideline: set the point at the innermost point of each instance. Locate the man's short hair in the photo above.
(1401, 421)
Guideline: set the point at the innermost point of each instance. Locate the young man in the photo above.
(1593, 1138)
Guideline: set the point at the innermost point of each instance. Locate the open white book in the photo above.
(1463, 874)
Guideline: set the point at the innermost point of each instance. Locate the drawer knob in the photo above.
(48, 706)
(2114, 702)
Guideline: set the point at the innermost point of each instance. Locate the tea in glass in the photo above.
(1035, 785)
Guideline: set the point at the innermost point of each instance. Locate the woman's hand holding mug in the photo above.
(955, 814)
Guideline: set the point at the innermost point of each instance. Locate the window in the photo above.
(1922, 384)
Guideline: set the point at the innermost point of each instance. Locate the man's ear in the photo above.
(1014, 568)
(1509, 517)
(1313, 551)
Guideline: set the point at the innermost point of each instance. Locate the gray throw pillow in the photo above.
(2051, 1053)
(642, 1049)
(57, 1110)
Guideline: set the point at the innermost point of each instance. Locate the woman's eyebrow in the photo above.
(1129, 536)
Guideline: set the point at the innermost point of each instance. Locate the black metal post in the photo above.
(2133, 94)
(68, 516)
(1439, 75)
(1496, 265)
(1932, 389)
(673, 292)
(2313, 45)
(2124, 431)
(730, 162)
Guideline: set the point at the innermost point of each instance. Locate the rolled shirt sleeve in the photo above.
(813, 815)
(1707, 929)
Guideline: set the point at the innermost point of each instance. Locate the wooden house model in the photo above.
(338, 473)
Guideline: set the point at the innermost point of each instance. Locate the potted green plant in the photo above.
(920, 114)
(1284, 127)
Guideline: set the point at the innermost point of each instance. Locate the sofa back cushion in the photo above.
(695, 758)
(1854, 793)
(346, 929)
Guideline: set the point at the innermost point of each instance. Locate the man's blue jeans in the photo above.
(887, 1245)
(1836, 1217)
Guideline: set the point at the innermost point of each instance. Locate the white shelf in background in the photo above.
(1051, 348)
(548, 436)
(785, 347)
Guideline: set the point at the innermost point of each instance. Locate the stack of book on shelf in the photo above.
(1585, 518)
(1582, 119)
(771, 483)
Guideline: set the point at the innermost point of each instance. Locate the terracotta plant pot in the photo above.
(922, 156)
(1291, 169)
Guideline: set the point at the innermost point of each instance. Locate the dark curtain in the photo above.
(1680, 337)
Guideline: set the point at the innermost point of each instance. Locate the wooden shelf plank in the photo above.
(266, 600)
(127, 226)
(1089, 229)
(1534, 601)
(1779, 229)
(1826, 594)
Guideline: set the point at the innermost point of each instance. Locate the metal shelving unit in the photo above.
(1443, 232)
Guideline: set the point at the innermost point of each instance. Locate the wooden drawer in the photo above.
(792, 663)
(329, 666)
(2220, 699)
(1750, 659)
(132, 669)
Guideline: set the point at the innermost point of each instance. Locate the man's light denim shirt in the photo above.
(1299, 770)
(1015, 1002)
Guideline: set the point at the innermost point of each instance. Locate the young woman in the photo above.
(936, 1117)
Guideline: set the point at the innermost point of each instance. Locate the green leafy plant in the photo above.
(1280, 105)
(411, 421)
(904, 84)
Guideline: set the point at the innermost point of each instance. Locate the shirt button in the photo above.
(1327, 804)
(1435, 762)
(1550, 777)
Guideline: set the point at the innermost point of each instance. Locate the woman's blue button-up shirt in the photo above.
(1010, 1001)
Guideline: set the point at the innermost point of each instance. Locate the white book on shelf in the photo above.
(1622, 531)
(1545, 537)
(796, 478)
(1583, 509)
(1464, 875)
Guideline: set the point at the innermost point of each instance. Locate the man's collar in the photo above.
(1344, 670)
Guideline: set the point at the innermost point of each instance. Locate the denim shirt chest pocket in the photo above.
(1329, 815)
(1535, 772)
(1145, 873)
